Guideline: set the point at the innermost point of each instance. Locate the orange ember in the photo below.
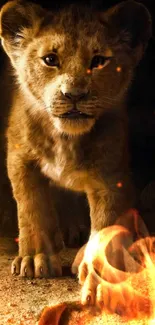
(118, 69)
(100, 66)
(16, 240)
(119, 184)
(17, 146)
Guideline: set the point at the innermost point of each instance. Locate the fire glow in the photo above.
(118, 279)
(129, 293)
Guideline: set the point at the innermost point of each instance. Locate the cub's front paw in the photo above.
(38, 266)
(95, 273)
(110, 276)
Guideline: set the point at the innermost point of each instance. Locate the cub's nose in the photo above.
(75, 95)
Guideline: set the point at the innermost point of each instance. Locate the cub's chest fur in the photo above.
(65, 168)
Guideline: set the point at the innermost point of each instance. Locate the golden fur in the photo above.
(85, 151)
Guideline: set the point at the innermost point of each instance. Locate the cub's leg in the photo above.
(110, 200)
(39, 235)
(107, 203)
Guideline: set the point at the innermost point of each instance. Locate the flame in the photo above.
(52, 315)
(118, 275)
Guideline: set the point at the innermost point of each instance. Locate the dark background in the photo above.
(141, 112)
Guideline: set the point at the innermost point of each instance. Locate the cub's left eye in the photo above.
(99, 61)
(51, 60)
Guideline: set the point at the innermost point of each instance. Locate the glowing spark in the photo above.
(16, 240)
(100, 66)
(118, 69)
(17, 146)
(119, 185)
(89, 71)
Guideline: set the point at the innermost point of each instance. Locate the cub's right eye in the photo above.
(51, 60)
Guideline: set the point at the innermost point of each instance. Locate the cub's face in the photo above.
(74, 74)
(73, 65)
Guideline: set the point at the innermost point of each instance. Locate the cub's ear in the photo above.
(19, 23)
(16, 16)
(129, 22)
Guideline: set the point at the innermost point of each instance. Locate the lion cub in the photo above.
(67, 124)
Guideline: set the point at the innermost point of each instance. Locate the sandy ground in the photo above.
(21, 301)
